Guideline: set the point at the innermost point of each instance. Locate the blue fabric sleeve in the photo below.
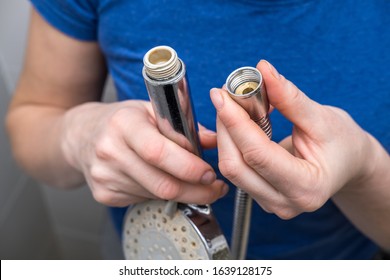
(75, 18)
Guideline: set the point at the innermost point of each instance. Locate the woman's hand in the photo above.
(125, 159)
(326, 151)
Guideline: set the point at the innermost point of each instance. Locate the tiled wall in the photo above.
(37, 222)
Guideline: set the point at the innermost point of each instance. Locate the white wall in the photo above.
(25, 228)
(37, 222)
(13, 23)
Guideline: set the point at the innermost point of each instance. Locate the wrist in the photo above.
(76, 127)
(373, 169)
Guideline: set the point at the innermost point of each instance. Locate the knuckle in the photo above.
(257, 158)
(167, 189)
(340, 112)
(229, 169)
(97, 174)
(104, 197)
(309, 203)
(286, 213)
(285, 210)
(188, 170)
(152, 151)
(111, 198)
(119, 117)
(105, 149)
(265, 208)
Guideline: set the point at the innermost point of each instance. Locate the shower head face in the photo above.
(150, 233)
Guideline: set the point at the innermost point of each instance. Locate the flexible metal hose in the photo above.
(246, 87)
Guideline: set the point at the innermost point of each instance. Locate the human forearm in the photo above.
(35, 132)
(366, 201)
(59, 73)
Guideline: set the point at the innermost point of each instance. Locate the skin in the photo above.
(62, 135)
(316, 163)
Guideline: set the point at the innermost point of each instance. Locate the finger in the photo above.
(166, 155)
(289, 100)
(108, 175)
(200, 194)
(164, 186)
(271, 108)
(275, 164)
(234, 168)
(115, 199)
(108, 190)
(208, 138)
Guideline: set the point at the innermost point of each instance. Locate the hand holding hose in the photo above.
(326, 152)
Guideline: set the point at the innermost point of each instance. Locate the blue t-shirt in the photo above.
(337, 52)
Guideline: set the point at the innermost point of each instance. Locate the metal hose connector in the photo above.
(246, 86)
(161, 63)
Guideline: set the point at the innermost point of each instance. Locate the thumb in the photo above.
(289, 100)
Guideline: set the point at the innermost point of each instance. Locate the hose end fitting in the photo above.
(161, 63)
(246, 86)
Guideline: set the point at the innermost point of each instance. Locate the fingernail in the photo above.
(206, 130)
(210, 132)
(216, 98)
(273, 70)
(208, 178)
